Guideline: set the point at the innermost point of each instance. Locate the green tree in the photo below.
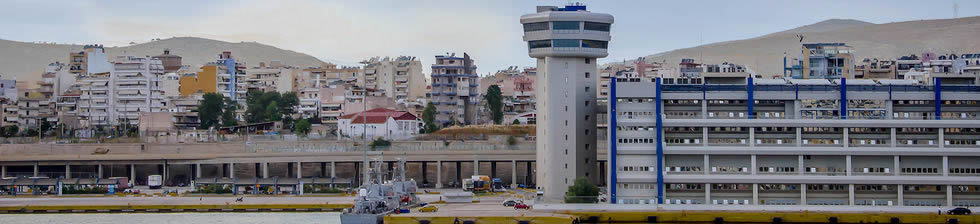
(429, 118)
(302, 127)
(380, 142)
(272, 112)
(495, 103)
(228, 115)
(10, 131)
(209, 110)
(583, 191)
(254, 107)
(288, 102)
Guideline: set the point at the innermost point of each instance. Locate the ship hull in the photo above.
(361, 218)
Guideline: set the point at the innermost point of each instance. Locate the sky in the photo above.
(345, 32)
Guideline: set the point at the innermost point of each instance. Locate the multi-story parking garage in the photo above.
(795, 142)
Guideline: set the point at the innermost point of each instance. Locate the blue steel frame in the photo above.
(612, 142)
(660, 146)
(843, 98)
(750, 90)
(938, 88)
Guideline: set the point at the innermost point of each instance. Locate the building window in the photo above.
(586, 62)
(528, 27)
(539, 44)
(565, 43)
(586, 117)
(565, 25)
(594, 26)
(586, 74)
(595, 44)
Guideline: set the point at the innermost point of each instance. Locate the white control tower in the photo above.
(566, 42)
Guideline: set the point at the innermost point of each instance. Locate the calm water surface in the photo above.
(175, 218)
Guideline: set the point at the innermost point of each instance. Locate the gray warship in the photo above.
(377, 198)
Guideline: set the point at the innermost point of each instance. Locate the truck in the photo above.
(467, 184)
(123, 182)
(498, 185)
(481, 183)
(154, 181)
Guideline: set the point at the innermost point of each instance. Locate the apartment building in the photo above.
(517, 88)
(272, 78)
(184, 110)
(33, 109)
(225, 76)
(822, 61)
(400, 78)
(794, 142)
(92, 59)
(326, 75)
(117, 97)
(566, 42)
(875, 69)
(454, 90)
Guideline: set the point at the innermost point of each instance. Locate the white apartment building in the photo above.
(380, 123)
(454, 90)
(117, 97)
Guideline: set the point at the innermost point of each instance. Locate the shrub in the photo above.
(583, 191)
(380, 143)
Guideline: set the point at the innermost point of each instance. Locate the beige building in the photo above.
(272, 77)
(400, 78)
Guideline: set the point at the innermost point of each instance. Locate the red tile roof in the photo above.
(378, 116)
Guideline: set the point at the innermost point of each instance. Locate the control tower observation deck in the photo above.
(566, 42)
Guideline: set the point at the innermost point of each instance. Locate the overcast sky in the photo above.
(345, 32)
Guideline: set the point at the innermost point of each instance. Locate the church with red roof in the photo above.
(380, 123)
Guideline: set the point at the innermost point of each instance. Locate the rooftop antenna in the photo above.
(956, 10)
(700, 47)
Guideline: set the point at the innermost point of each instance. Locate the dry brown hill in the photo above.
(764, 54)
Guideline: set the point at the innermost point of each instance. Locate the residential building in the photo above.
(400, 78)
(875, 69)
(33, 109)
(8, 89)
(566, 43)
(184, 110)
(517, 88)
(171, 63)
(92, 59)
(201, 82)
(309, 102)
(454, 90)
(272, 78)
(794, 142)
(135, 88)
(231, 78)
(823, 61)
(380, 123)
(326, 75)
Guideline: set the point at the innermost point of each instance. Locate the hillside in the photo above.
(26, 61)
(765, 53)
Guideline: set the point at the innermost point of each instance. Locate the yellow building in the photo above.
(204, 82)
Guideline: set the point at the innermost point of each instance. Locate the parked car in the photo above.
(131, 191)
(959, 211)
(429, 208)
(510, 203)
(521, 205)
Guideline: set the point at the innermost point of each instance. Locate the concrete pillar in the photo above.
(704, 136)
(945, 165)
(265, 170)
(898, 166)
(707, 194)
(197, 170)
(132, 173)
(3, 171)
(949, 195)
(323, 169)
(493, 169)
(799, 164)
(67, 171)
(476, 167)
(755, 194)
(299, 170)
(166, 172)
(799, 136)
(707, 165)
(513, 174)
(100, 170)
(438, 174)
(846, 141)
(848, 165)
(802, 194)
(850, 194)
(704, 109)
(37, 169)
(751, 137)
(333, 169)
(901, 195)
(231, 170)
(942, 137)
(889, 109)
(754, 167)
(894, 137)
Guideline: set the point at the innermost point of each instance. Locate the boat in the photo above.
(377, 198)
